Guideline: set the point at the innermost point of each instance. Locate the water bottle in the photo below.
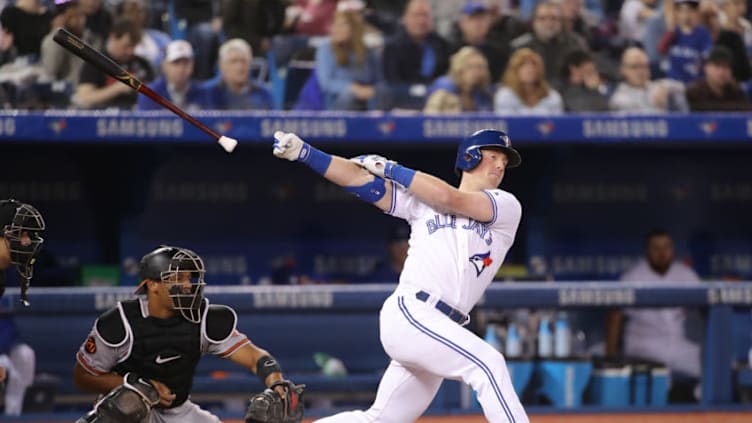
(491, 337)
(513, 348)
(330, 366)
(562, 336)
(545, 338)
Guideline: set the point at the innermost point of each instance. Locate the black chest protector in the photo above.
(166, 350)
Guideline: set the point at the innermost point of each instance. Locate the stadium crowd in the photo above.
(511, 57)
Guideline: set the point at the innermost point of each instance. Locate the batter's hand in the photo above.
(287, 145)
(377, 165)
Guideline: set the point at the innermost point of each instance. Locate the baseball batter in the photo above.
(459, 238)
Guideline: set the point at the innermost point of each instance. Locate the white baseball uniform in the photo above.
(451, 261)
(105, 357)
(658, 333)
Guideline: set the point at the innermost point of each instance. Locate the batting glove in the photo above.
(287, 145)
(377, 165)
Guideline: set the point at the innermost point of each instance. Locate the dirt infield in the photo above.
(610, 418)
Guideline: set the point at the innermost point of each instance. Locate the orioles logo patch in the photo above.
(91, 345)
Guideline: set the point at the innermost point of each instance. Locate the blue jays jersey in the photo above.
(454, 256)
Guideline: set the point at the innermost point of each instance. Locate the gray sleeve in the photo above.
(99, 357)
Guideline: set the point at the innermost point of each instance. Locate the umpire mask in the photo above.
(185, 283)
(22, 224)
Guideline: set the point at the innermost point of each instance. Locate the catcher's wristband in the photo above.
(400, 174)
(265, 366)
(315, 158)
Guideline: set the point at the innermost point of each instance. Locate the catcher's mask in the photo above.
(21, 225)
(183, 271)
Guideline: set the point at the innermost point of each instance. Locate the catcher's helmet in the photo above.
(469, 155)
(183, 271)
(16, 220)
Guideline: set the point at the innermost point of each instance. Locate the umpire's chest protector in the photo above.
(166, 350)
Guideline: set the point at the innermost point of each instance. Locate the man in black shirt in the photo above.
(97, 90)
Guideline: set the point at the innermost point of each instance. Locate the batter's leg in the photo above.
(444, 348)
(402, 397)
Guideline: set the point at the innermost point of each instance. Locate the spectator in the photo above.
(255, 21)
(525, 90)
(469, 79)
(234, 90)
(710, 17)
(577, 19)
(347, 70)
(98, 19)
(311, 17)
(414, 57)
(390, 267)
(176, 84)
(638, 94)
(687, 43)
(153, 41)
(442, 102)
(202, 23)
(733, 18)
(58, 63)
(98, 90)
(633, 18)
(548, 38)
(658, 334)
(472, 30)
(582, 88)
(719, 91)
(24, 25)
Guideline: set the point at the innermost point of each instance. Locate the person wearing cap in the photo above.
(176, 83)
(718, 91)
(20, 240)
(58, 64)
(472, 30)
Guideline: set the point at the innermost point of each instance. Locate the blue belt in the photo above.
(451, 312)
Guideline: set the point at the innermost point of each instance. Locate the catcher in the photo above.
(143, 353)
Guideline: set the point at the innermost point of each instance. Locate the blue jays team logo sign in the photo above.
(481, 261)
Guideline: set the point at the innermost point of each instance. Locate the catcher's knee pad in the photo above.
(128, 403)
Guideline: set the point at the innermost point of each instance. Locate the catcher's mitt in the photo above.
(270, 407)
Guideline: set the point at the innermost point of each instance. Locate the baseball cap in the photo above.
(694, 3)
(474, 7)
(178, 49)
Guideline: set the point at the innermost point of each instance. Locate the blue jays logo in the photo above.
(546, 127)
(223, 127)
(387, 127)
(709, 127)
(58, 126)
(481, 261)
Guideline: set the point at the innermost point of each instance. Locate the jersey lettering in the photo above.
(481, 229)
(440, 221)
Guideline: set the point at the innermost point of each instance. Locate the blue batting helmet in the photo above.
(468, 153)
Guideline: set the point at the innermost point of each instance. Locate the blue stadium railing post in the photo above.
(717, 374)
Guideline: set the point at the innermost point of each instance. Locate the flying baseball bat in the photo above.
(108, 66)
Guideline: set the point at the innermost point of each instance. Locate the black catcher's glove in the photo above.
(270, 407)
